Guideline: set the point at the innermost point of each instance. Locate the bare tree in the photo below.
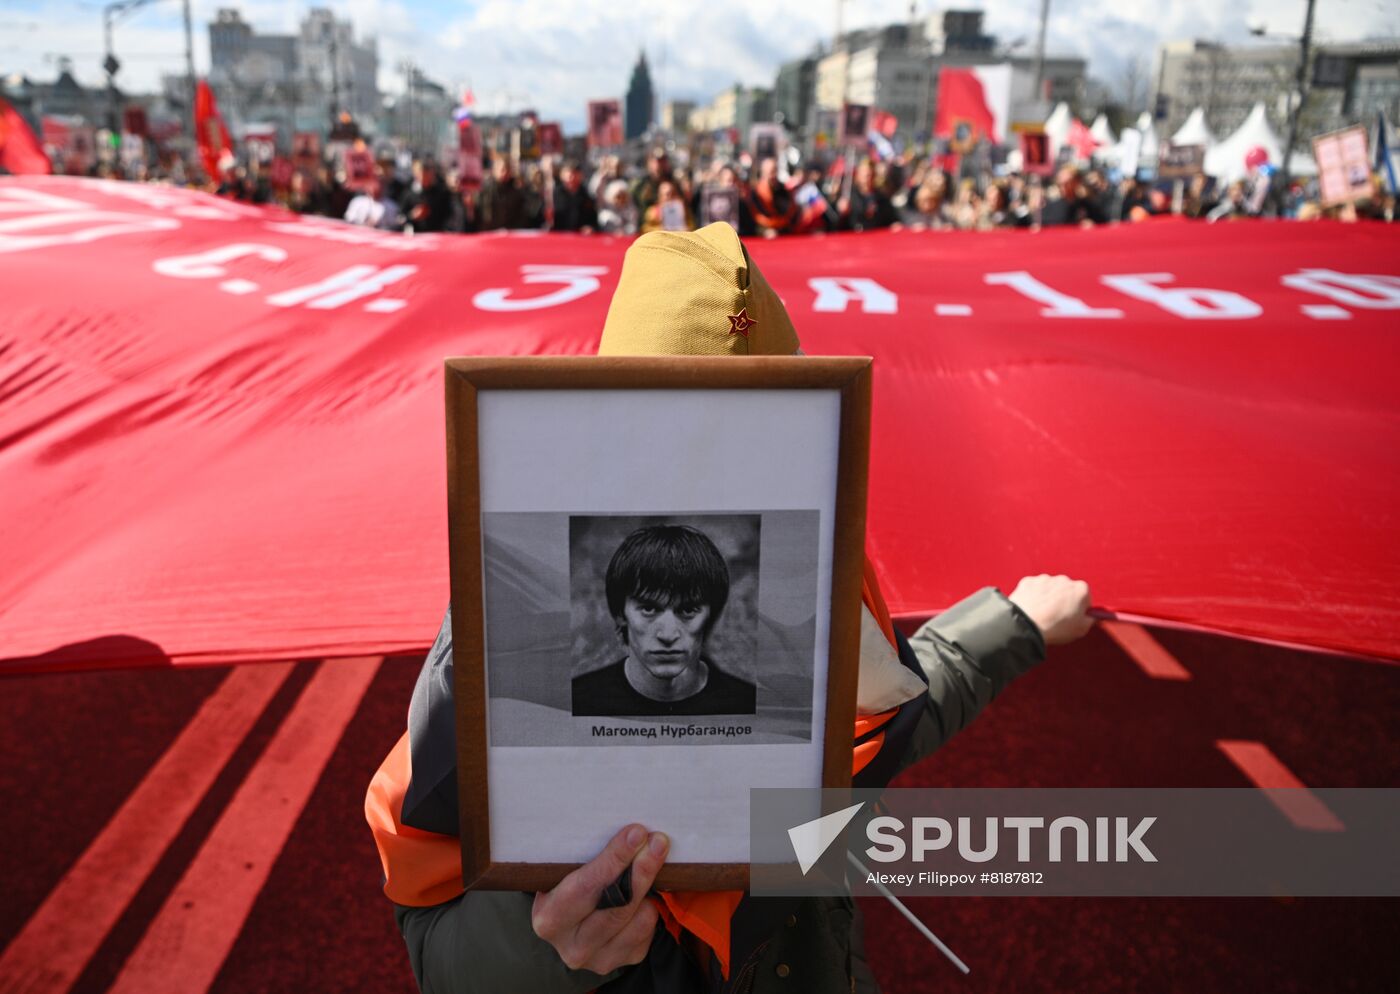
(1134, 78)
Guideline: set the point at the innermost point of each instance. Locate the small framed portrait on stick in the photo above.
(855, 125)
(656, 587)
(720, 203)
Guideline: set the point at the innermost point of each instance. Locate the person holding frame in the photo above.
(600, 929)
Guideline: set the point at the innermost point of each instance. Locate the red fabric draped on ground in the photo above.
(221, 427)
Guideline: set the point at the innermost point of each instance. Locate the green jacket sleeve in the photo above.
(483, 943)
(969, 654)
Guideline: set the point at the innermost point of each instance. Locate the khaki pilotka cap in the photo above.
(694, 293)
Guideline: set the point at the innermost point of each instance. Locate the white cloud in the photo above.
(555, 55)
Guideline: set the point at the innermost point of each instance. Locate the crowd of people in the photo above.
(764, 198)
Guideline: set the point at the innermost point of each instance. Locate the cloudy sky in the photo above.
(556, 54)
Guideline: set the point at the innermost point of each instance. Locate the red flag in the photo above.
(20, 151)
(885, 123)
(967, 105)
(210, 131)
(1081, 139)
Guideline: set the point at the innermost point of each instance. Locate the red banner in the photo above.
(221, 432)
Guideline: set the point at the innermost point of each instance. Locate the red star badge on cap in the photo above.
(739, 324)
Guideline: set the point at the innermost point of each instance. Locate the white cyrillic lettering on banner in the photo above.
(182, 203)
(36, 231)
(1059, 305)
(18, 199)
(207, 265)
(1371, 292)
(1193, 303)
(574, 282)
(345, 286)
(31, 219)
(835, 293)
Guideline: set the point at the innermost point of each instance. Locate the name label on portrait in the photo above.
(672, 732)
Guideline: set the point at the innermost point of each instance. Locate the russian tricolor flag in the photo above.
(465, 110)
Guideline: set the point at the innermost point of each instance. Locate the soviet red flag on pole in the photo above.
(973, 104)
(1081, 139)
(210, 131)
(20, 151)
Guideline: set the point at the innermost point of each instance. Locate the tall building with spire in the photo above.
(640, 109)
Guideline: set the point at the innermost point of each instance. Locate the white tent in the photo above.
(1226, 160)
(1102, 133)
(1057, 128)
(1195, 130)
(1125, 155)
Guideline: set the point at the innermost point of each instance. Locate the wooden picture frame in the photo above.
(546, 432)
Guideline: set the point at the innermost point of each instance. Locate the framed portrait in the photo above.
(1180, 161)
(656, 585)
(1035, 154)
(1343, 165)
(604, 123)
(720, 203)
(673, 216)
(767, 141)
(855, 125)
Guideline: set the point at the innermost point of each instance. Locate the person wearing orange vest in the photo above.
(678, 294)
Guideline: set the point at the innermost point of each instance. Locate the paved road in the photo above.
(201, 830)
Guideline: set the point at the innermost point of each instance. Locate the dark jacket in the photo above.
(483, 942)
(1076, 211)
(870, 210)
(503, 205)
(436, 202)
(573, 211)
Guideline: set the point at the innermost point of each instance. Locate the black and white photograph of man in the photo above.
(667, 586)
(640, 620)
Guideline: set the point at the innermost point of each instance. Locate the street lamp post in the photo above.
(1306, 49)
(335, 76)
(110, 65)
(1040, 51)
(115, 11)
(190, 84)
